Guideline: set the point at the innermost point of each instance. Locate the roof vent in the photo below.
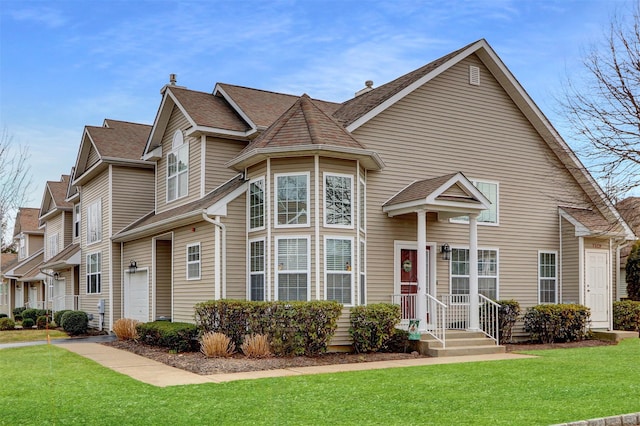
(368, 87)
(474, 75)
(173, 79)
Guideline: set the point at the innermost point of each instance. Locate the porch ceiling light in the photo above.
(133, 266)
(445, 250)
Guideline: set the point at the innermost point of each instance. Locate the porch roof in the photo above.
(452, 193)
(67, 258)
(589, 222)
(33, 274)
(26, 265)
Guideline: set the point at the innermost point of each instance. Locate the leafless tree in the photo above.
(603, 107)
(15, 179)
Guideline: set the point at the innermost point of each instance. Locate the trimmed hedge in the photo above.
(75, 322)
(3, 315)
(18, 311)
(294, 328)
(7, 324)
(373, 325)
(557, 323)
(177, 336)
(28, 323)
(508, 314)
(57, 316)
(43, 322)
(626, 315)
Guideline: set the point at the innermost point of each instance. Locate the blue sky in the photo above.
(67, 64)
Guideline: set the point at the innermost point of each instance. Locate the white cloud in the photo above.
(49, 17)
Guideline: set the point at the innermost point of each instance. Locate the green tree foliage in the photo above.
(633, 273)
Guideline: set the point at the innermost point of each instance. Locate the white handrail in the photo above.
(436, 327)
(489, 317)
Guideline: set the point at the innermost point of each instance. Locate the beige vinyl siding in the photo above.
(97, 188)
(178, 121)
(92, 157)
(448, 126)
(163, 279)
(34, 243)
(133, 195)
(570, 278)
(218, 152)
(341, 336)
(186, 293)
(68, 228)
(235, 222)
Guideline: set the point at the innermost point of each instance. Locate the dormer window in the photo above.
(177, 168)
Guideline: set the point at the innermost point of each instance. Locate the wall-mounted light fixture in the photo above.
(133, 266)
(56, 276)
(445, 250)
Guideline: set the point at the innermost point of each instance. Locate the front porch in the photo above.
(445, 329)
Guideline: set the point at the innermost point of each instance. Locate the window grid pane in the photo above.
(193, 261)
(292, 200)
(339, 266)
(548, 277)
(338, 200)
(93, 273)
(256, 204)
(177, 173)
(256, 262)
(292, 269)
(487, 272)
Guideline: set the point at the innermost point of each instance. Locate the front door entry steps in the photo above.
(459, 343)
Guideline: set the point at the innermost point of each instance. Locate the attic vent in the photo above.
(474, 75)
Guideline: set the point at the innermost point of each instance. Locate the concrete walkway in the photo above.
(159, 374)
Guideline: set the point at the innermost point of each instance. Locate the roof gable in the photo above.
(26, 221)
(54, 198)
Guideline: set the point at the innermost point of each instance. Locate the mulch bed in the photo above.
(196, 362)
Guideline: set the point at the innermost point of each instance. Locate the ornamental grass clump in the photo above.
(125, 329)
(256, 346)
(216, 345)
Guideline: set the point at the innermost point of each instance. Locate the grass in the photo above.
(48, 385)
(13, 336)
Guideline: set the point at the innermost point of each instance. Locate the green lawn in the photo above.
(48, 385)
(13, 336)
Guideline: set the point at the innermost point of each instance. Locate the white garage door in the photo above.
(136, 295)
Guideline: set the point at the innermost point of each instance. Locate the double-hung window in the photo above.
(94, 273)
(52, 248)
(22, 244)
(487, 272)
(293, 268)
(338, 270)
(193, 261)
(338, 205)
(292, 200)
(547, 277)
(94, 222)
(256, 273)
(178, 168)
(489, 216)
(256, 204)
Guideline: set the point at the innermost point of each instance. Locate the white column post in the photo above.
(474, 315)
(422, 269)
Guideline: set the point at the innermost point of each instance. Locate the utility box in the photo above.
(101, 306)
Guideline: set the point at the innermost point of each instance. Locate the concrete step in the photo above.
(456, 334)
(473, 341)
(465, 350)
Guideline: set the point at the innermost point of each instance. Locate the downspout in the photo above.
(220, 279)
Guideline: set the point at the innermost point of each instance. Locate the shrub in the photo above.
(216, 345)
(372, 325)
(177, 336)
(18, 317)
(632, 270)
(557, 323)
(18, 311)
(397, 343)
(43, 322)
(256, 346)
(57, 317)
(294, 328)
(508, 314)
(4, 315)
(28, 323)
(75, 322)
(7, 324)
(626, 315)
(125, 329)
(31, 314)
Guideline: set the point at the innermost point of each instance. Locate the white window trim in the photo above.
(276, 204)
(324, 200)
(298, 271)
(362, 272)
(479, 276)
(22, 246)
(264, 204)
(555, 253)
(193, 262)
(497, 223)
(250, 273)
(98, 202)
(175, 147)
(350, 273)
(99, 273)
(77, 217)
(53, 245)
(362, 207)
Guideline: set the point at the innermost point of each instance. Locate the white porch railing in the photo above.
(450, 313)
(65, 302)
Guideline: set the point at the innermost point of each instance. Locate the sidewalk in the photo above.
(159, 374)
